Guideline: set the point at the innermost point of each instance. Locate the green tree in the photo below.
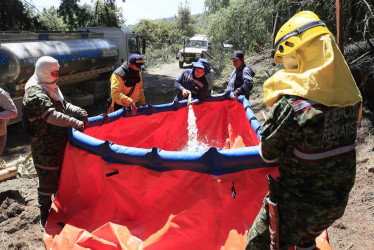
(184, 21)
(245, 22)
(70, 12)
(215, 5)
(15, 15)
(242, 23)
(51, 21)
(159, 34)
(107, 14)
(104, 13)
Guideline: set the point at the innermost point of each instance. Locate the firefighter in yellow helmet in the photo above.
(311, 131)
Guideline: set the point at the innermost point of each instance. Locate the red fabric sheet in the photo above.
(140, 208)
(168, 130)
(160, 210)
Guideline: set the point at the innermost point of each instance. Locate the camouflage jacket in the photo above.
(47, 137)
(317, 147)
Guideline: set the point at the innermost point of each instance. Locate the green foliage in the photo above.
(51, 20)
(184, 21)
(241, 24)
(221, 58)
(68, 11)
(107, 14)
(14, 15)
(201, 23)
(214, 5)
(154, 57)
(246, 22)
(359, 21)
(159, 34)
(103, 13)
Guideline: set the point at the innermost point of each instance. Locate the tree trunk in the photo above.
(275, 28)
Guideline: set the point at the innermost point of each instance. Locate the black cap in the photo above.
(137, 60)
(238, 55)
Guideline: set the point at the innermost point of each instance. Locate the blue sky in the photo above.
(135, 10)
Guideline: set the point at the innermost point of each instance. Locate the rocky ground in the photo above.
(19, 216)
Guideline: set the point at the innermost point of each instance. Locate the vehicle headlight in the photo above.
(198, 55)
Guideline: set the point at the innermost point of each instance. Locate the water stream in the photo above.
(193, 143)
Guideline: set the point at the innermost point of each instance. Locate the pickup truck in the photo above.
(194, 48)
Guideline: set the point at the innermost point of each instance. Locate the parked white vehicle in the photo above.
(194, 48)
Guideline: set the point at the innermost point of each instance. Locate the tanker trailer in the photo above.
(86, 61)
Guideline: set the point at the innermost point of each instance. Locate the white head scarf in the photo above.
(43, 78)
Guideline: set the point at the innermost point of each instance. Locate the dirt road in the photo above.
(158, 83)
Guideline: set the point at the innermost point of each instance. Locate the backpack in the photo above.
(26, 126)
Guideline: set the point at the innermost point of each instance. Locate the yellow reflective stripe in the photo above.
(323, 155)
(139, 61)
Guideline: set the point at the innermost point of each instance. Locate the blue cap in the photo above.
(198, 65)
(137, 60)
(203, 61)
(206, 64)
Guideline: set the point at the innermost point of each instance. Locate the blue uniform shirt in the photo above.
(197, 86)
(241, 81)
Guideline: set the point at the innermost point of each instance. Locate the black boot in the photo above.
(44, 212)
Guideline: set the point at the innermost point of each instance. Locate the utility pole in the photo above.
(339, 27)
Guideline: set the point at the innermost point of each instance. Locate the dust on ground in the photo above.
(19, 215)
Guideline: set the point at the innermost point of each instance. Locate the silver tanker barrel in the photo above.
(17, 59)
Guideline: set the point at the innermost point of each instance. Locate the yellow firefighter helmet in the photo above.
(297, 31)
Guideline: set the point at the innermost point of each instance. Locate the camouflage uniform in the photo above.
(317, 171)
(48, 142)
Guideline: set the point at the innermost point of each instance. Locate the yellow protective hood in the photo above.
(323, 76)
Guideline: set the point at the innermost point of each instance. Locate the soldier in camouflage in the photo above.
(49, 115)
(311, 130)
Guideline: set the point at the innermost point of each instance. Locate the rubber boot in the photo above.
(44, 212)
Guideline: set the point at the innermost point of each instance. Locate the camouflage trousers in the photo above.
(47, 162)
(300, 222)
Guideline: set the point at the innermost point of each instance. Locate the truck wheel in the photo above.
(81, 99)
(180, 65)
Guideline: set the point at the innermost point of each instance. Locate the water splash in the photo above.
(193, 143)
